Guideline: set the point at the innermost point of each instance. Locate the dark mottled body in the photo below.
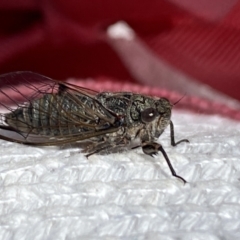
(53, 115)
(58, 113)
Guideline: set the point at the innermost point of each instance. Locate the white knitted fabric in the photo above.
(49, 193)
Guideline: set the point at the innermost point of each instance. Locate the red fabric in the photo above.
(64, 39)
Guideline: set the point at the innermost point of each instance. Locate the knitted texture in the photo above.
(49, 193)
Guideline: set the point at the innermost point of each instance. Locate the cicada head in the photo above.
(157, 117)
(152, 115)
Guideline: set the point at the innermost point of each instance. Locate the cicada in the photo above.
(41, 111)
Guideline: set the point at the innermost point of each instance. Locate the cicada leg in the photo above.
(173, 143)
(153, 148)
(107, 144)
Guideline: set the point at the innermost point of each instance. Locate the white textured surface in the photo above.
(46, 193)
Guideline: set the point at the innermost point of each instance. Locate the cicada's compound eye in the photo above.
(148, 115)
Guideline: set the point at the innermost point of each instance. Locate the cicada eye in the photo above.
(148, 115)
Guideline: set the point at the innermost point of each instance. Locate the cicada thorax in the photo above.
(117, 103)
(144, 117)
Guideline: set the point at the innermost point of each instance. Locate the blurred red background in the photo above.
(63, 39)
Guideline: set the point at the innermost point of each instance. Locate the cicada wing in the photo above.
(50, 120)
(41, 140)
(18, 89)
(25, 86)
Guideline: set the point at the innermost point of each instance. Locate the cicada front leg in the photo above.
(173, 143)
(153, 148)
(106, 145)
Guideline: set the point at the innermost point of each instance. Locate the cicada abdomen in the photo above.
(50, 109)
